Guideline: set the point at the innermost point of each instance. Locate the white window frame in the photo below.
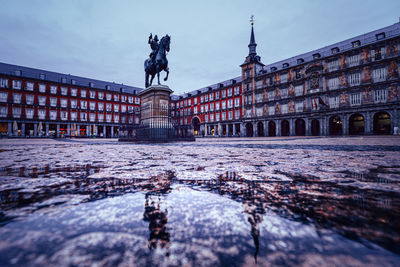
(16, 84)
(4, 97)
(42, 114)
(42, 100)
(53, 89)
(42, 88)
(30, 99)
(355, 99)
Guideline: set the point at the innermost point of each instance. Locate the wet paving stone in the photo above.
(227, 202)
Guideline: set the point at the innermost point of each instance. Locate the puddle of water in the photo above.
(165, 220)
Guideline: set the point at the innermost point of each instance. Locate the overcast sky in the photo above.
(107, 40)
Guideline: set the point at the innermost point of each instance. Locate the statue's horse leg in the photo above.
(147, 79)
(158, 73)
(152, 78)
(167, 71)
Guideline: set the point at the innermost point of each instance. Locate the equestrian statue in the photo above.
(157, 60)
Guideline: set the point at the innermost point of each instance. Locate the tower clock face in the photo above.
(314, 80)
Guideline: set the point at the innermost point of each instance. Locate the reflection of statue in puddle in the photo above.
(157, 222)
(158, 187)
(253, 207)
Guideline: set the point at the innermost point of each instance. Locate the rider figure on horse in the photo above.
(157, 60)
(154, 46)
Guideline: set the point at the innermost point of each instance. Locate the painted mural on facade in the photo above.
(277, 93)
(277, 79)
(392, 49)
(265, 109)
(393, 70)
(291, 90)
(343, 80)
(393, 93)
(367, 95)
(366, 75)
(342, 61)
(277, 109)
(291, 106)
(365, 56)
(344, 100)
(290, 75)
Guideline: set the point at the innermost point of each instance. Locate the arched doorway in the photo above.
(356, 124)
(315, 128)
(285, 128)
(335, 125)
(271, 128)
(196, 125)
(300, 127)
(382, 123)
(249, 129)
(260, 129)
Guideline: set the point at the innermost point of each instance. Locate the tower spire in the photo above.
(252, 44)
(252, 57)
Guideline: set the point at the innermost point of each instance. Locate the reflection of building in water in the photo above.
(357, 212)
(157, 222)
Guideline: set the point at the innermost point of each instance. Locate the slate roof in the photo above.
(346, 45)
(213, 87)
(27, 72)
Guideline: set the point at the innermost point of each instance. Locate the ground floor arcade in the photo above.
(54, 129)
(345, 123)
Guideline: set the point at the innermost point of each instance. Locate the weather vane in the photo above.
(252, 20)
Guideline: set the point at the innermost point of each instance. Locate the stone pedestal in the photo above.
(154, 105)
(156, 124)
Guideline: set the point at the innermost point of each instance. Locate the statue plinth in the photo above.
(155, 89)
(154, 103)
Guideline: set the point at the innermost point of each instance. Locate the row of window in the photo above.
(375, 53)
(207, 97)
(29, 99)
(215, 117)
(16, 84)
(230, 103)
(64, 115)
(355, 99)
(333, 65)
(352, 79)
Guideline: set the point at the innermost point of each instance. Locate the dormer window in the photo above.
(316, 56)
(63, 80)
(91, 84)
(18, 73)
(209, 88)
(73, 82)
(300, 60)
(273, 68)
(42, 76)
(285, 65)
(380, 36)
(356, 43)
(221, 85)
(335, 50)
(108, 87)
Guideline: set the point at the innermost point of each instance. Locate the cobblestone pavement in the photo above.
(228, 201)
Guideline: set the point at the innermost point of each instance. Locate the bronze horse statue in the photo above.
(154, 65)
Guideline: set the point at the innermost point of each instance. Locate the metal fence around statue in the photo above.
(156, 125)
